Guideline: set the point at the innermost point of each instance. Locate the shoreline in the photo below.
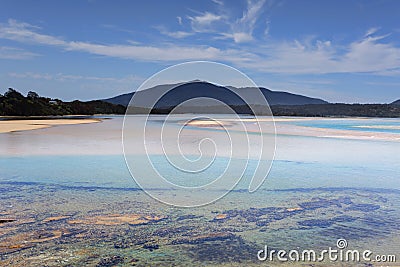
(17, 125)
(51, 117)
(307, 131)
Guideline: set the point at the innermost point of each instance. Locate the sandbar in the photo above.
(8, 126)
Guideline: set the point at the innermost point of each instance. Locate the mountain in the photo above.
(120, 99)
(13, 103)
(185, 91)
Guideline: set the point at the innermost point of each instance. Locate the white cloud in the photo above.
(218, 2)
(150, 53)
(242, 37)
(39, 76)
(242, 29)
(173, 34)
(366, 55)
(179, 20)
(371, 31)
(204, 22)
(370, 54)
(177, 34)
(206, 18)
(225, 27)
(221, 24)
(71, 77)
(267, 27)
(26, 33)
(15, 53)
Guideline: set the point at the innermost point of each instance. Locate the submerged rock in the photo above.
(17, 221)
(325, 203)
(232, 251)
(364, 207)
(110, 261)
(187, 217)
(198, 239)
(6, 220)
(28, 239)
(316, 223)
(151, 247)
(263, 222)
(173, 231)
(7, 230)
(56, 218)
(263, 216)
(324, 223)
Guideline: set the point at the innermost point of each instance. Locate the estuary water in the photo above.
(330, 179)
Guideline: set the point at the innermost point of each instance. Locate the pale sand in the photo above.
(333, 133)
(204, 123)
(26, 125)
(208, 123)
(288, 129)
(270, 119)
(105, 138)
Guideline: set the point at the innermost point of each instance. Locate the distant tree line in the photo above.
(311, 110)
(339, 110)
(13, 103)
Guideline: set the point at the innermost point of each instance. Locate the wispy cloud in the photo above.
(218, 2)
(371, 31)
(204, 21)
(15, 53)
(394, 84)
(179, 18)
(225, 26)
(370, 54)
(267, 27)
(242, 30)
(71, 77)
(26, 33)
(177, 34)
(174, 34)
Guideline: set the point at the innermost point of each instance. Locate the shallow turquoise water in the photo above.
(339, 188)
(111, 171)
(311, 162)
(377, 125)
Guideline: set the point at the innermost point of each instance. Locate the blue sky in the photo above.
(341, 51)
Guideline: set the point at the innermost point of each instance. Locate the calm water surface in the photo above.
(318, 190)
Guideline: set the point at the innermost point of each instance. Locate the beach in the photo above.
(8, 126)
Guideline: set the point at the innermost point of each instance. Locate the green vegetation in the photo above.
(14, 103)
(339, 110)
(312, 110)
